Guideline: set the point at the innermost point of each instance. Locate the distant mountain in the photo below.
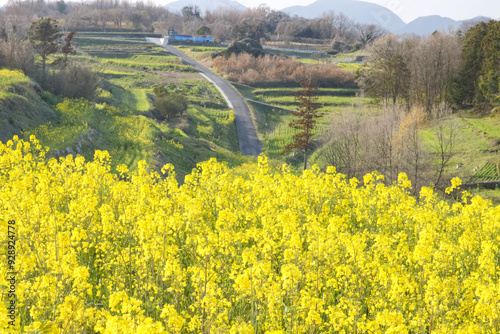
(426, 25)
(366, 13)
(359, 11)
(177, 6)
(467, 24)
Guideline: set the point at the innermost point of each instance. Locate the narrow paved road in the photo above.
(247, 136)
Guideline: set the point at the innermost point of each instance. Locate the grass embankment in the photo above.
(122, 119)
(202, 54)
(84, 127)
(21, 108)
(476, 147)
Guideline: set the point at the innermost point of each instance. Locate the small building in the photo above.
(173, 36)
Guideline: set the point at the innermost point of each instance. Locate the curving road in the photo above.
(247, 136)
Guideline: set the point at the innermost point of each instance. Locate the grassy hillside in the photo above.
(21, 108)
(476, 148)
(123, 120)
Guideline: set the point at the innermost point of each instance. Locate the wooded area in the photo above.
(455, 69)
(333, 29)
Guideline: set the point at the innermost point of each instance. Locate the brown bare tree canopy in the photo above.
(68, 48)
(224, 24)
(414, 70)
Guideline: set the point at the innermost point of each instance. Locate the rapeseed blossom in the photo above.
(266, 252)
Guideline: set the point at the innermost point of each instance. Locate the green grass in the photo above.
(490, 126)
(132, 63)
(141, 97)
(322, 100)
(245, 90)
(489, 172)
(9, 78)
(121, 120)
(491, 194)
(201, 49)
(148, 59)
(84, 127)
(291, 91)
(280, 137)
(21, 108)
(475, 153)
(331, 100)
(285, 97)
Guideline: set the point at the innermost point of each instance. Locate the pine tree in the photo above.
(305, 118)
(43, 35)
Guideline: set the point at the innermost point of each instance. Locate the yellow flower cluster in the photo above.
(9, 77)
(267, 252)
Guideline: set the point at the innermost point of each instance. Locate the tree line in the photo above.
(421, 82)
(456, 69)
(224, 24)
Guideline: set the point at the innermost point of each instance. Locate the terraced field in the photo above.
(123, 120)
(273, 119)
(489, 172)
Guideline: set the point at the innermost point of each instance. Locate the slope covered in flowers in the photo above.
(265, 252)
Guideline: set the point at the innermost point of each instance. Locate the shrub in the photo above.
(16, 53)
(169, 104)
(269, 69)
(247, 46)
(74, 81)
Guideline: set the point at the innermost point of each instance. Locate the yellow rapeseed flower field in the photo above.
(267, 252)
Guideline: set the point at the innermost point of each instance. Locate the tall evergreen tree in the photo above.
(489, 82)
(43, 35)
(466, 86)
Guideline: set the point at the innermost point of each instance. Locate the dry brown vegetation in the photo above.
(271, 70)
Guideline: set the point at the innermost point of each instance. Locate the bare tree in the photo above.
(344, 144)
(433, 66)
(446, 133)
(388, 76)
(418, 70)
(388, 143)
(382, 153)
(17, 53)
(344, 28)
(369, 33)
(413, 158)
